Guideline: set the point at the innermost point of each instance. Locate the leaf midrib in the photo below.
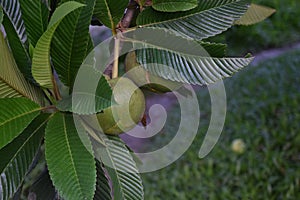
(110, 15)
(116, 171)
(70, 154)
(71, 52)
(19, 116)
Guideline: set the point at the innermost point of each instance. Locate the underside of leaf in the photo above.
(12, 82)
(121, 167)
(209, 18)
(256, 13)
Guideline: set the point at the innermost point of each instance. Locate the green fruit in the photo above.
(142, 78)
(128, 110)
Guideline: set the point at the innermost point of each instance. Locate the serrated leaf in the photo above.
(209, 18)
(41, 67)
(89, 97)
(71, 166)
(12, 82)
(13, 12)
(110, 12)
(36, 24)
(216, 50)
(43, 188)
(17, 156)
(71, 42)
(16, 115)
(179, 59)
(103, 190)
(19, 50)
(174, 5)
(256, 13)
(120, 165)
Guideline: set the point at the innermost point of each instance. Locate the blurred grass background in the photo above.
(263, 110)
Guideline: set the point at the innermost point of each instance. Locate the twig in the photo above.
(116, 57)
(131, 11)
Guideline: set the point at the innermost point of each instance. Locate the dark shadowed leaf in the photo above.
(70, 44)
(1, 15)
(36, 24)
(103, 190)
(43, 188)
(17, 156)
(18, 48)
(110, 12)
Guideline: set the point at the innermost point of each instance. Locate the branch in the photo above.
(131, 12)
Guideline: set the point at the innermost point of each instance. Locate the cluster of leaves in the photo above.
(39, 63)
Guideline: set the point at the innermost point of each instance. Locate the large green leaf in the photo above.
(110, 12)
(103, 190)
(70, 43)
(36, 24)
(41, 67)
(17, 156)
(209, 18)
(121, 167)
(174, 5)
(183, 60)
(256, 13)
(12, 82)
(71, 165)
(16, 114)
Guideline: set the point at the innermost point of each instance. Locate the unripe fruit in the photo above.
(147, 81)
(128, 110)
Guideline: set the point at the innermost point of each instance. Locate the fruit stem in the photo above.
(116, 57)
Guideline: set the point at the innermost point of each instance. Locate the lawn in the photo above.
(263, 109)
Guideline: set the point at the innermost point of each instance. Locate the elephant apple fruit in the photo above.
(142, 78)
(126, 111)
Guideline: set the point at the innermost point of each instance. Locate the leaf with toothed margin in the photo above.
(209, 18)
(41, 67)
(69, 158)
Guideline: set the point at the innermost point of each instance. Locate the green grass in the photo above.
(282, 28)
(264, 111)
